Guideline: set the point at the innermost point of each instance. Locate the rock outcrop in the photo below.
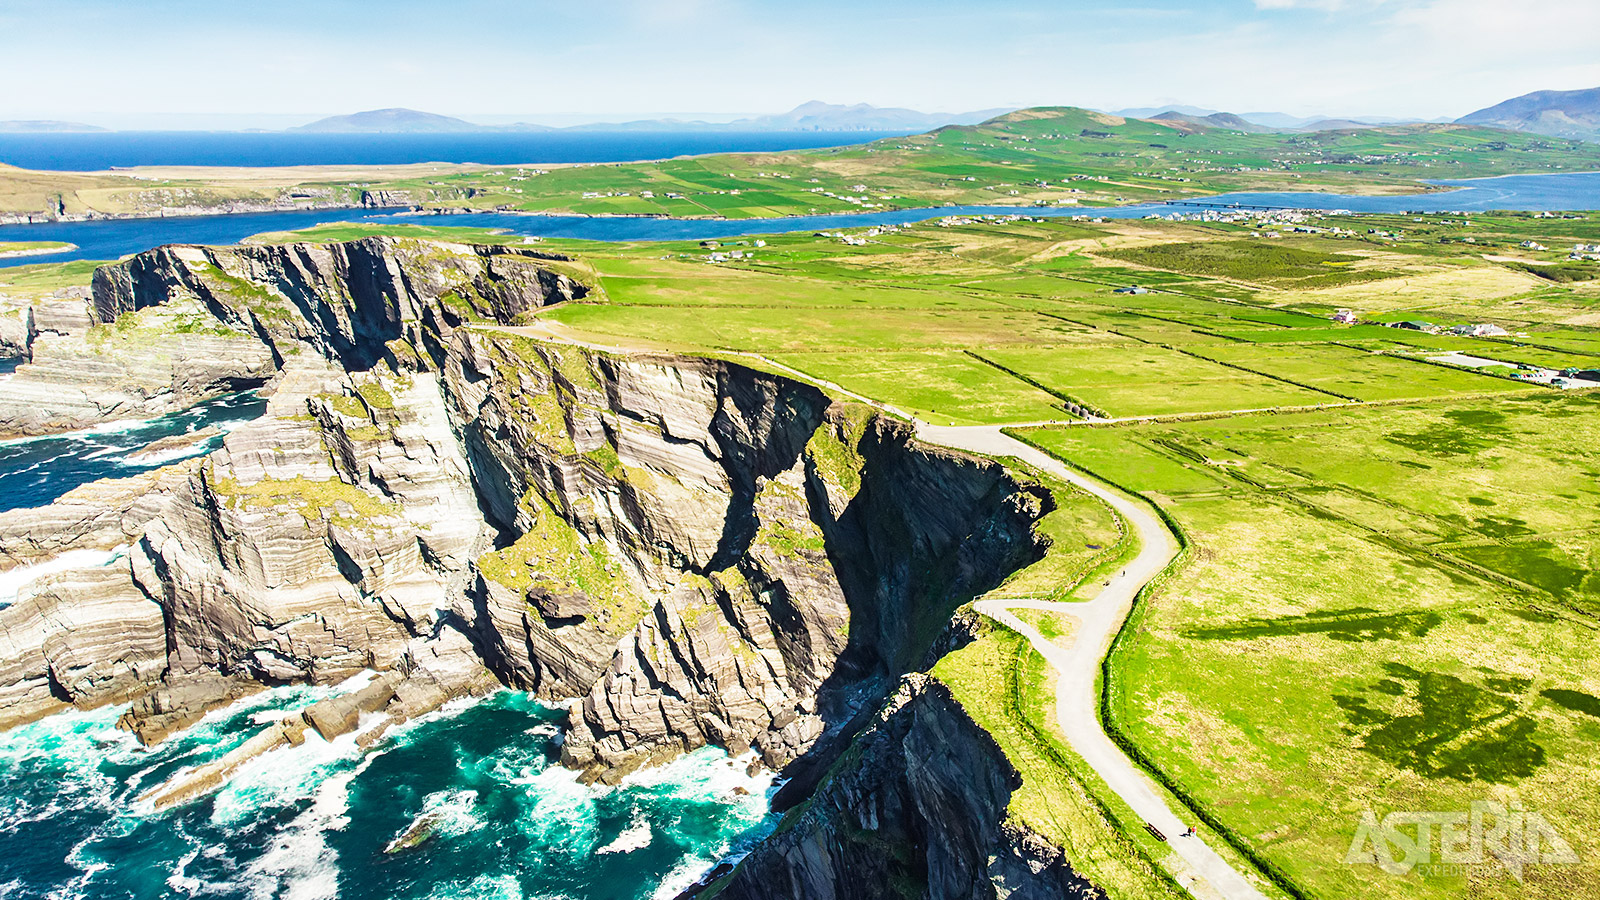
(179, 324)
(88, 636)
(708, 554)
(919, 813)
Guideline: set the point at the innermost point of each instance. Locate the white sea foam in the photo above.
(687, 871)
(484, 887)
(116, 427)
(182, 882)
(282, 777)
(15, 583)
(447, 814)
(707, 774)
(561, 811)
(164, 457)
(299, 864)
(67, 749)
(636, 836)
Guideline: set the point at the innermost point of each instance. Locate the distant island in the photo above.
(46, 126)
(811, 116)
(393, 121)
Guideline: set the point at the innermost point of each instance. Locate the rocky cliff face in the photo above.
(707, 554)
(917, 810)
(172, 326)
(685, 551)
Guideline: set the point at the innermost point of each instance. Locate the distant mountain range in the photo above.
(1260, 122)
(1568, 114)
(812, 116)
(44, 126)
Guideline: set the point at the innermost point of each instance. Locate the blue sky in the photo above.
(276, 62)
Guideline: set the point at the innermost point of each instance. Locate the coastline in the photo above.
(62, 247)
(1422, 188)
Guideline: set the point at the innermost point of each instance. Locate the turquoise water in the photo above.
(313, 822)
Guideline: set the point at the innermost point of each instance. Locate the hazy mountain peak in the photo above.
(39, 126)
(1568, 114)
(392, 120)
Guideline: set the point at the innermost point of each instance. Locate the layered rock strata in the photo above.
(167, 328)
(685, 551)
(707, 554)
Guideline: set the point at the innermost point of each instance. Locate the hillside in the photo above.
(1568, 114)
(1058, 156)
(1222, 120)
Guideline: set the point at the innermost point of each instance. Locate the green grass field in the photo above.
(1132, 379)
(1389, 603)
(1357, 374)
(1390, 609)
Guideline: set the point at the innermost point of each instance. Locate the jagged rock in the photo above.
(100, 515)
(433, 672)
(191, 783)
(180, 324)
(792, 546)
(921, 808)
(175, 706)
(156, 361)
(85, 636)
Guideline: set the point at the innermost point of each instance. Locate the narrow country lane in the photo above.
(1205, 874)
(1208, 874)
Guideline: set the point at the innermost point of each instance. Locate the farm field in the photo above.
(1393, 607)
(1127, 378)
(1389, 601)
(944, 386)
(1358, 374)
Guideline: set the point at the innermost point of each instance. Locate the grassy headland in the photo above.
(1054, 156)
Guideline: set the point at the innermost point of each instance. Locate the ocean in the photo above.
(36, 471)
(98, 151)
(316, 822)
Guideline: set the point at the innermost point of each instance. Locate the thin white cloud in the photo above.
(1324, 5)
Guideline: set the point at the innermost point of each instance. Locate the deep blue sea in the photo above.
(36, 471)
(113, 239)
(94, 152)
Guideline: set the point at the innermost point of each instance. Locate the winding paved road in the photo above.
(1206, 874)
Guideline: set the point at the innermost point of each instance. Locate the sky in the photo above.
(274, 63)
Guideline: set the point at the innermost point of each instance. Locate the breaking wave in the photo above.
(477, 782)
